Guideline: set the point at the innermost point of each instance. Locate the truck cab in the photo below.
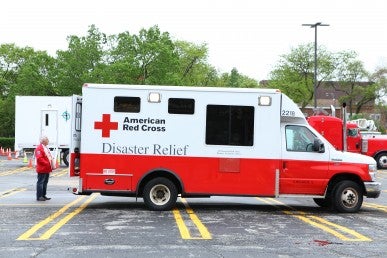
(331, 128)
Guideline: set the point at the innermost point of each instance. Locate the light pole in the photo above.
(315, 25)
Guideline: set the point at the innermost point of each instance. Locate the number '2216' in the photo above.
(288, 113)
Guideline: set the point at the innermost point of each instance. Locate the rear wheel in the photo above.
(347, 197)
(381, 160)
(160, 194)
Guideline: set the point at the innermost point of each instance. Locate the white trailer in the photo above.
(36, 116)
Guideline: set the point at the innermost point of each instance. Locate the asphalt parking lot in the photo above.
(101, 226)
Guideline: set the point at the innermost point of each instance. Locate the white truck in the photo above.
(43, 115)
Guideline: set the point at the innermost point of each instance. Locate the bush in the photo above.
(7, 143)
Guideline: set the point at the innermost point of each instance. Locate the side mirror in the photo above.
(318, 146)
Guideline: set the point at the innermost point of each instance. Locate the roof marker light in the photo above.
(154, 97)
(264, 101)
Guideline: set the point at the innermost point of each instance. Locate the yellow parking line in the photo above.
(184, 231)
(323, 224)
(66, 219)
(329, 227)
(27, 235)
(376, 206)
(202, 229)
(11, 192)
(10, 172)
(60, 173)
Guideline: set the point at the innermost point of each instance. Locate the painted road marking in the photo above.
(336, 230)
(187, 229)
(12, 192)
(14, 171)
(375, 206)
(49, 232)
(59, 173)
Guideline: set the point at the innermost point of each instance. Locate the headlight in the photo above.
(372, 170)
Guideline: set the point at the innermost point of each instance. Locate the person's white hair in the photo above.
(43, 139)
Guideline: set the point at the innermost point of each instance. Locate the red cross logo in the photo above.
(106, 125)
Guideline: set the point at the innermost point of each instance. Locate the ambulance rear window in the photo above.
(181, 106)
(127, 104)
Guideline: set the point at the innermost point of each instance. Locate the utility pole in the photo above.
(315, 25)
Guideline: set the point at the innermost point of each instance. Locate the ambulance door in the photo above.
(304, 169)
(75, 144)
(49, 126)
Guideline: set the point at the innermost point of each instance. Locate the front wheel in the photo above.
(381, 160)
(347, 197)
(160, 194)
(323, 202)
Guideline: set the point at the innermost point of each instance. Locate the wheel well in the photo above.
(159, 173)
(341, 177)
(376, 156)
(379, 153)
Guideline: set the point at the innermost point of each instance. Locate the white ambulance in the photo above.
(158, 142)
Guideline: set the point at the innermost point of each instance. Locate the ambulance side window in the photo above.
(127, 104)
(299, 138)
(230, 125)
(181, 106)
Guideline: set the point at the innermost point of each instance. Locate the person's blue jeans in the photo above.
(41, 185)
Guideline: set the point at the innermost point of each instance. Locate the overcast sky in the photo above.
(247, 34)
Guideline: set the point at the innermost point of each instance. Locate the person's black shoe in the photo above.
(41, 199)
(46, 198)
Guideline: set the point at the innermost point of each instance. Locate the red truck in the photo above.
(355, 141)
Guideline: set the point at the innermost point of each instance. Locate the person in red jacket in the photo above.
(43, 168)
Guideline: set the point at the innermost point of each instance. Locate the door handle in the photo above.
(109, 181)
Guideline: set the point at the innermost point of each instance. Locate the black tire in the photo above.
(347, 197)
(323, 202)
(65, 157)
(160, 194)
(381, 160)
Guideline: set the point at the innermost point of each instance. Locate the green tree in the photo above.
(23, 71)
(147, 58)
(237, 80)
(76, 65)
(156, 57)
(34, 76)
(350, 73)
(12, 59)
(121, 63)
(234, 80)
(380, 78)
(7, 117)
(294, 72)
(193, 66)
